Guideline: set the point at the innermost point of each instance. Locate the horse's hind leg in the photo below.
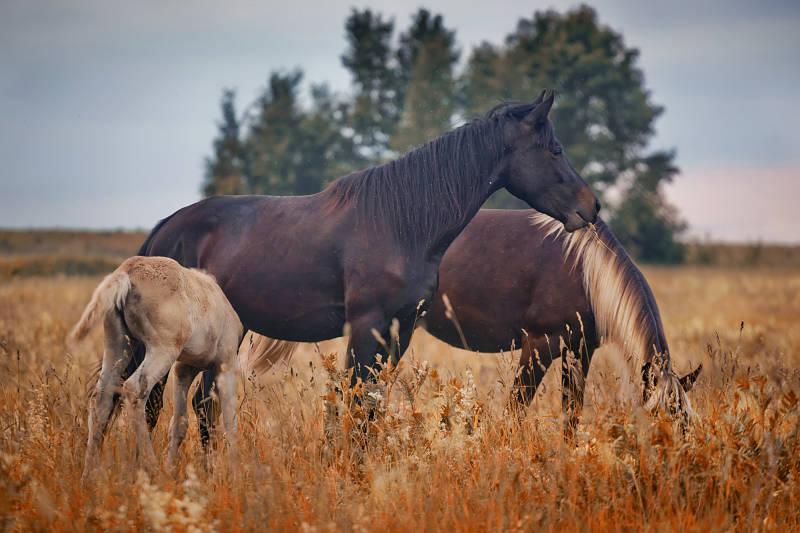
(136, 388)
(206, 406)
(534, 361)
(573, 383)
(155, 401)
(183, 377)
(116, 354)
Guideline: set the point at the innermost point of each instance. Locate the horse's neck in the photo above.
(625, 308)
(428, 196)
(449, 232)
(657, 340)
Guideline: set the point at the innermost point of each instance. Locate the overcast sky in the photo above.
(108, 108)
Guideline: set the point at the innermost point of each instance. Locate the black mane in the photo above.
(434, 189)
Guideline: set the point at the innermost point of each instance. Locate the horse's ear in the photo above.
(538, 114)
(540, 97)
(687, 381)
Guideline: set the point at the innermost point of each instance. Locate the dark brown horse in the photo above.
(367, 249)
(515, 278)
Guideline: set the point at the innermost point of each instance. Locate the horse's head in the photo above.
(536, 169)
(663, 391)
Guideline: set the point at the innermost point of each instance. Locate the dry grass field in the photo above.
(443, 453)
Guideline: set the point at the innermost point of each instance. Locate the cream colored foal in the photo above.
(183, 318)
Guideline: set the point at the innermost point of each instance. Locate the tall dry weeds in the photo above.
(441, 450)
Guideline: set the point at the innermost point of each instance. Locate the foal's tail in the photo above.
(110, 294)
(258, 354)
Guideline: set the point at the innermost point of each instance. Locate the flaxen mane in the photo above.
(431, 187)
(624, 308)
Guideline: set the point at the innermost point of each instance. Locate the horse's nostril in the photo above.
(596, 205)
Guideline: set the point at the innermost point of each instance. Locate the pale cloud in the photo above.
(735, 204)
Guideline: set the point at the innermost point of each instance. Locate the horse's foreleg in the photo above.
(184, 375)
(156, 364)
(116, 355)
(364, 345)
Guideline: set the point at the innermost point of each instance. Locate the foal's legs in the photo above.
(116, 355)
(183, 377)
(207, 405)
(226, 385)
(157, 362)
(156, 399)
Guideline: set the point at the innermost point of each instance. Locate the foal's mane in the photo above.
(436, 188)
(624, 308)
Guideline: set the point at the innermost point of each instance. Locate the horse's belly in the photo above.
(486, 326)
(302, 304)
(313, 325)
(486, 338)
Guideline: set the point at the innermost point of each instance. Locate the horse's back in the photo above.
(177, 307)
(503, 275)
(277, 259)
(181, 235)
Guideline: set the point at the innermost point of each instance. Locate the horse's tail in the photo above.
(109, 295)
(259, 354)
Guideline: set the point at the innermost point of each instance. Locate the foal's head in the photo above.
(663, 391)
(536, 169)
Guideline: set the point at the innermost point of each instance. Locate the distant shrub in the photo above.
(30, 266)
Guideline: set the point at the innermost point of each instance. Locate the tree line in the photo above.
(410, 89)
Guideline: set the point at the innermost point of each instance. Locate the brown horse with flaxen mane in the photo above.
(367, 249)
(516, 279)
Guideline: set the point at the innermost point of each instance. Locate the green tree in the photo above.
(272, 139)
(644, 223)
(603, 113)
(377, 99)
(426, 60)
(288, 150)
(326, 152)
(224, 172)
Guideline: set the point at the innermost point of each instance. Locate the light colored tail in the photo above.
(110, 294)
(258, 354)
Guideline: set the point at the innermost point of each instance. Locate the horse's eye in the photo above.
(556, 151)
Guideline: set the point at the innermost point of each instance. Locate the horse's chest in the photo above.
(420, 288)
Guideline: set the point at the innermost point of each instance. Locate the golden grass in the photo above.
(443, 453)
